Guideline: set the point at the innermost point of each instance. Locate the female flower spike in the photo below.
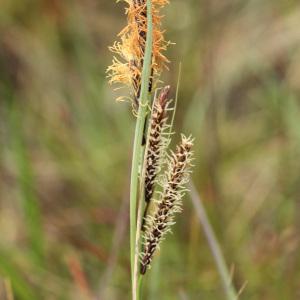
(158, 225)
(157, 142)
(127, 65)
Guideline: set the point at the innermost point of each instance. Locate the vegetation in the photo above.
(66, 147)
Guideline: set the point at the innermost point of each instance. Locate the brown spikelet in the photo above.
(156, 141)
(127, 66)
(170, 201)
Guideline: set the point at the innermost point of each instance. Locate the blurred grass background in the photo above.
(65, 150)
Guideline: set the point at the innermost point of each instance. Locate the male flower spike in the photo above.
(127, 65)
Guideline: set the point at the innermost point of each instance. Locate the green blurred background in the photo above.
(65, 150)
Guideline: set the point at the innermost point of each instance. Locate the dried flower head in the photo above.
(158, 225)
(127, 66)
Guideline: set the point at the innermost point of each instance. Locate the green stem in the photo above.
(138, 149)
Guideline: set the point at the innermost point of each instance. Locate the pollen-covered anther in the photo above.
(127, 69)
(169, 203)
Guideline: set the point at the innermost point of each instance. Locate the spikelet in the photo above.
(127, 65)
(158, 225)
(157, 142)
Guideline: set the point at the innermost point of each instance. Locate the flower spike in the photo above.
(169, 203)
(127, 65)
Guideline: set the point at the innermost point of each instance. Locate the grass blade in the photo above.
(213, 244)
(138, 153)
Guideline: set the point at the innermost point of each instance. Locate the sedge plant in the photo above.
(158, 175)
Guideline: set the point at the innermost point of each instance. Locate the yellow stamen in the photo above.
(127, 68)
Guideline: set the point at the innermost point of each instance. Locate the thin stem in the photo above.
(138, 150)
(155, 279)
(137, 277)
(176, 98)
(229, 289)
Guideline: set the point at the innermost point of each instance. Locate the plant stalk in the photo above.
(138, 151)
